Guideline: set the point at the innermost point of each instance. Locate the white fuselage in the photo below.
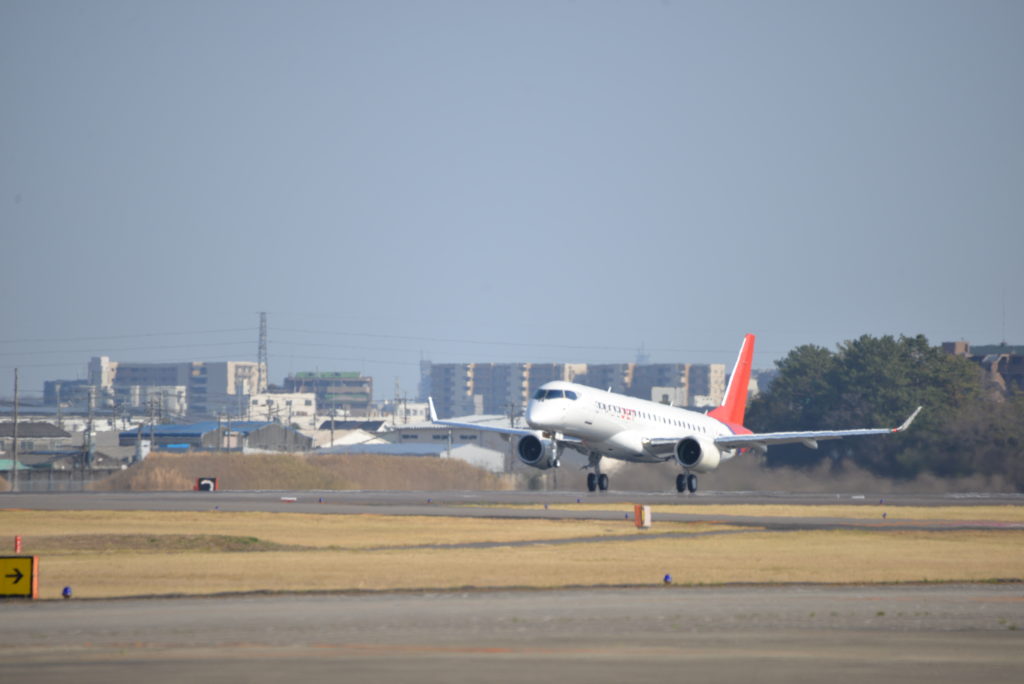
(615, 425)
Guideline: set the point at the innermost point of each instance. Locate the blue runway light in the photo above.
(66, 593)
(667, 579)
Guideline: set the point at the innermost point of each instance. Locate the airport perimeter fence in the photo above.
(52, 480)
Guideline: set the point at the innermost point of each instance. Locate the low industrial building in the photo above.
(219, 436)
(33, 437)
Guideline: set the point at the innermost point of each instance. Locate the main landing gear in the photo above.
(686, 482)
(596, 480)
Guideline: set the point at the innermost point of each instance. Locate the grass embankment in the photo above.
(178, 472)
(103, 554)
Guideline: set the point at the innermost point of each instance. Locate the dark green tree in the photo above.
(877, 382)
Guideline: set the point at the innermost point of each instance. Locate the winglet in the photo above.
(908, 421)
(734, 407)
(433, 413)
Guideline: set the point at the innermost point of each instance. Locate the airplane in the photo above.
(599, 424)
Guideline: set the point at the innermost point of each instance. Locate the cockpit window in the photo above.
(543, 394)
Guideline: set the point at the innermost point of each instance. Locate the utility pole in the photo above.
(333, 412)
(88, 429)
(14, 448)
(262, 370)
(398, 390)
(152, 411)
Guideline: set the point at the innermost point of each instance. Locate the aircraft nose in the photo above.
(540, 414)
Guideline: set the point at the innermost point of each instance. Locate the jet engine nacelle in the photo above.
(697, 453)
(536, 452)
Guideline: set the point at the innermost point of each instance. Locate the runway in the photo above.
(946, 633)
(885, 510)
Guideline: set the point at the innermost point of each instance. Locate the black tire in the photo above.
(691, 483)
(602, 482)
(681, 483)
(591, 482)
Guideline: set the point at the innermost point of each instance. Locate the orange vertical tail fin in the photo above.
(734, 407)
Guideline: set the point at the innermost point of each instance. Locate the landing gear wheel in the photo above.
(591, 482)
(602, 482)
(681, 483)
(691, 483)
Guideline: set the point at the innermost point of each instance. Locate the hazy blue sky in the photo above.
(503, 181)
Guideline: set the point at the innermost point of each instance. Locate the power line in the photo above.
(493, 343)
(122, 349)
(346, 360)
(122, 337)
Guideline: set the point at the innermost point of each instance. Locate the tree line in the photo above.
(964, 429)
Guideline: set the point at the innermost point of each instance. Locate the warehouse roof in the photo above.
(197, 429)
(32, 430)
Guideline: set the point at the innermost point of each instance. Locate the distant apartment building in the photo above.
(682, 384)
(460, 389)
(649, 378)
(287, 408)
(66, 392)
(615, 377)
(706, 385)
(210, 388)
(163, 401)
(450, 386)
(1002, 364)
(343, 393)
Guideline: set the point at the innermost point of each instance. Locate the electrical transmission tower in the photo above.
(261, 360)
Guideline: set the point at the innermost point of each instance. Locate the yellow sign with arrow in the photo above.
(19, 576)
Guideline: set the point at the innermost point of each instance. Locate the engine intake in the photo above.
(698, 454)
(536, 452)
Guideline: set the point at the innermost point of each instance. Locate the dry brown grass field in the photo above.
(109, 554)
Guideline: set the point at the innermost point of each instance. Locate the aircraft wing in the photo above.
(761, 441)
(522, 432)
(562, 440)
